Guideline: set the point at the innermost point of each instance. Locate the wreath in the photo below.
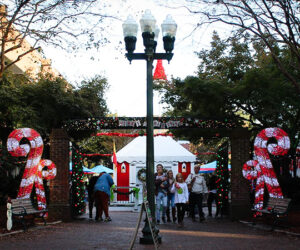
(142, 174)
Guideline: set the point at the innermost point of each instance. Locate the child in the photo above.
(171, 197)
(181, 197)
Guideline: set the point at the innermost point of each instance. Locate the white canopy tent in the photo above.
(167, 152)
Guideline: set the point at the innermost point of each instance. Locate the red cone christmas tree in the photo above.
(159, 73)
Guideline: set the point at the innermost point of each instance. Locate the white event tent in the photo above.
(167, 152)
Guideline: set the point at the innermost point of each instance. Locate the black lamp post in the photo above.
(150, 34)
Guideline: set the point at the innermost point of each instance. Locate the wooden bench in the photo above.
(22, 210)
(278, 208)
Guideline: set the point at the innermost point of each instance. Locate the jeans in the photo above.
(171, 199)
(161, 198)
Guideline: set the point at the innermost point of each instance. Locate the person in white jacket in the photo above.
(181, 197)
(198, 190)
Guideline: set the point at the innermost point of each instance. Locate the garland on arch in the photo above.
(129, 135)
(90, 155)
(95, 123)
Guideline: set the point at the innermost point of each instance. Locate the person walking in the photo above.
(181, 197)
(102, 194)
(161, 190)
(91, 198)
(198, 188)
(171, 197)
(212, 195)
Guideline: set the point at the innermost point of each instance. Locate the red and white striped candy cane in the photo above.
(48, 174)
(33, 173)
(265, 173)
(249, 170)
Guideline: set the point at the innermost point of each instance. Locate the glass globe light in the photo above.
(169, 27)
(147, 22)
(130, 27)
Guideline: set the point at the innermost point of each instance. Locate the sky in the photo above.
(126, 95)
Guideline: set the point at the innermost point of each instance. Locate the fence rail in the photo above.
(124, 199)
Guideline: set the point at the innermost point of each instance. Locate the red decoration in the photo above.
(95, 154)
(159, 73)
(114, 156)
(206, 153)
(184, 168)
(298, 162)
(33, 173)
(262, 168)
(123, 180)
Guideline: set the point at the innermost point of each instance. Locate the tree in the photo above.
(237, 83)
(46, 104)
(53, 22)
(102, 145)
(272, 21)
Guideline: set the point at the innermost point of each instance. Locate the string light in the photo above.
(222, 174)
(78, 190)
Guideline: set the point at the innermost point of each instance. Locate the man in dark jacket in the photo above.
(91, 197)
(212, 194)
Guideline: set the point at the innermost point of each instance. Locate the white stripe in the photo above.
(259, 142)
(284, 142)
(26, 132)
(271, 132)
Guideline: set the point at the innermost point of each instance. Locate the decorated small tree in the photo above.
(222, 178)
(78, 189)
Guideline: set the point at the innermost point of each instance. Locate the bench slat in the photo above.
(18, 206)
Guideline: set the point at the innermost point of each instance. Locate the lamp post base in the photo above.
(147, 236)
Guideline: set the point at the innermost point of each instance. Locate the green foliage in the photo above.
(41, 105)
(102, 145)
(11, 171)
(238, 79)
(46, 104)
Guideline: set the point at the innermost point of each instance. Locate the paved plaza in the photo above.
(88, 234)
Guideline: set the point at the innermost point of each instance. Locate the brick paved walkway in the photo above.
(88, 234)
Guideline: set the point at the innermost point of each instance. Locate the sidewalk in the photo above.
(88, 234)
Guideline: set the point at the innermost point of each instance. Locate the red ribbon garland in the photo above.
(96, 154)
(206, 153)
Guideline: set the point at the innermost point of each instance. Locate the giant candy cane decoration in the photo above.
(262, 168)
(33, 173)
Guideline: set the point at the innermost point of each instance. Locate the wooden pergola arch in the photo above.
(240, 153)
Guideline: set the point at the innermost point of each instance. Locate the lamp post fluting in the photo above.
(150, 34)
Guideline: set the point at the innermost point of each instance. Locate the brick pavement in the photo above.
(88, 234)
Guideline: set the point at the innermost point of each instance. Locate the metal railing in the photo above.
(124, 199)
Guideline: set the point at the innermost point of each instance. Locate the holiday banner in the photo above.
(141, 123)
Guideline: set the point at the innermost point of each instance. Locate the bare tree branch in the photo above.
(59, 23)
(271, 21)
